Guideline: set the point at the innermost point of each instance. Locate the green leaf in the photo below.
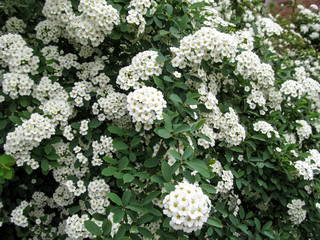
(53, 156)
(116, 130)
(106, 227)
(187, 153)
(8, 173)
(267, 226)
(236, 149)
(127, 178)
(7, 160)
(15, 119)
(167, 79)
(92, 228)
(164, 133)
(151, 162)
(157, 21)
(199, 166)
(244, 228)
(168, 187)
(233, 219)
(167, 119)
(175, 98)
(94, 123)
(157, 179)
(259, 137)
(166, 171)
(198, 5)
(3, 124)
(209, 188)
(214, 222)
(114, 198)
(184, 22)
(136, 208)
(257, 223)
(161, 58)
(118, 215)
(200, 124)
(119, 145)
(145, 232)
(175, 154)
(150, 197)
(158, 82)
(169, 9)
(181, 128)
(109, 171)
(126, 198)
(45, 165)
(74, 209)
(110, 160)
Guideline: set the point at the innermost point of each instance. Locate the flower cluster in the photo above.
(17, 216)
(226, 184)
(97, 192)
(60, 110)
(310, 166)
(187, 207)
(27, 136)
(296, 213)
(105, 148)
(146, 105)
(75, 228)
(62, 196)
(76, 190)
(137, 10)
(265, 128)
(304, 131)
(15, 54)
(308, 21)
(142, 67)
(292, 88)
(267, 27)
(15, 25)
(17, 83)
(48, 31)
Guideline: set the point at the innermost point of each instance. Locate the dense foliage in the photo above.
(158, 119)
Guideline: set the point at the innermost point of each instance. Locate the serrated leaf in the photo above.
(214, 222)
(267, 226)
(93, 228)
(115, 198)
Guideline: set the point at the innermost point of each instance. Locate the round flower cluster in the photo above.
(138, 9)
(75, 228)
(62, 196)
(27, 136)
(84, 127)
(81, 91)
(48, 31)
(267, 27)
(105, 148)
(97, 19)
(102, 81)
(60, 111)
(226, 184)
(15, 54)
(143, 66)
(310, 22)
(113, 106)
(15, 25)
(256, 97)
(310, 166)
(274, 98)
(265, 128)
(208, 131)
(292, 88)
(207, 43)
(59, 11)
(304, 131)
(245, 39)
(97, 191)
(76, 190)
(146, 105)
(89, 70)
(187, 207)
(296, 213)
(17, 83)
(17, 216)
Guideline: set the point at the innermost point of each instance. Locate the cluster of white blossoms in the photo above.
(97, 192)
(75, 228)
(146, 105)
(60, 110)
(267, 27)
(84, 127)
(265, 128)
(296, 213)
(17, 216)
(142, 67)
(113, 106)
(48, 31)
(97, 19)
(15, 25)
(105, 148)
(206, 43)
(27, 136)
(15, 54)
(292, 88)
(187, 207)
(137, 10)
(310, 166)
(62, 196)
(80, 92)
(59, 11)
(15, 84)
(304, 131)
(78, 189)
(311, 21)
(226, 184)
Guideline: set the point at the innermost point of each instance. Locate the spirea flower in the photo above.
(265, 128)
(187, 207)
(146, 105)
(296, 213)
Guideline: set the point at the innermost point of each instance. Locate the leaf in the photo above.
(166, 171)
(7, 160)
(181, 128)
(164, 133)
(209, 188)
(187, 153)
(127, 178)
(150, 197)
(167, 119)
(92, 228)
(116, 130)
(167, 79)
(15, 119)
(94, 123)
(110, 160)
(184, 22)
(45, 165)
(151, 162)
(74, 209)
(168, 187)
(106, 227)
(158, 82)
(175, 98)
(109, 171)
(126, 198)
(136, 208)
(198, 5)
(244, 228)
(114, 198)
(119, 145)
(145, 232)
(214, 222)
(175, 154)
(236, 149)
(200, 124)
(199, 166)
(233, 219)
(3, 124)
(169, 9)
(157, 179)
(267, 226)
(8, 173)
(257, 223)
(118, 215)
(157, 21)
(53, 156)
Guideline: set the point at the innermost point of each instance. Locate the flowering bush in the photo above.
(157, 119)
